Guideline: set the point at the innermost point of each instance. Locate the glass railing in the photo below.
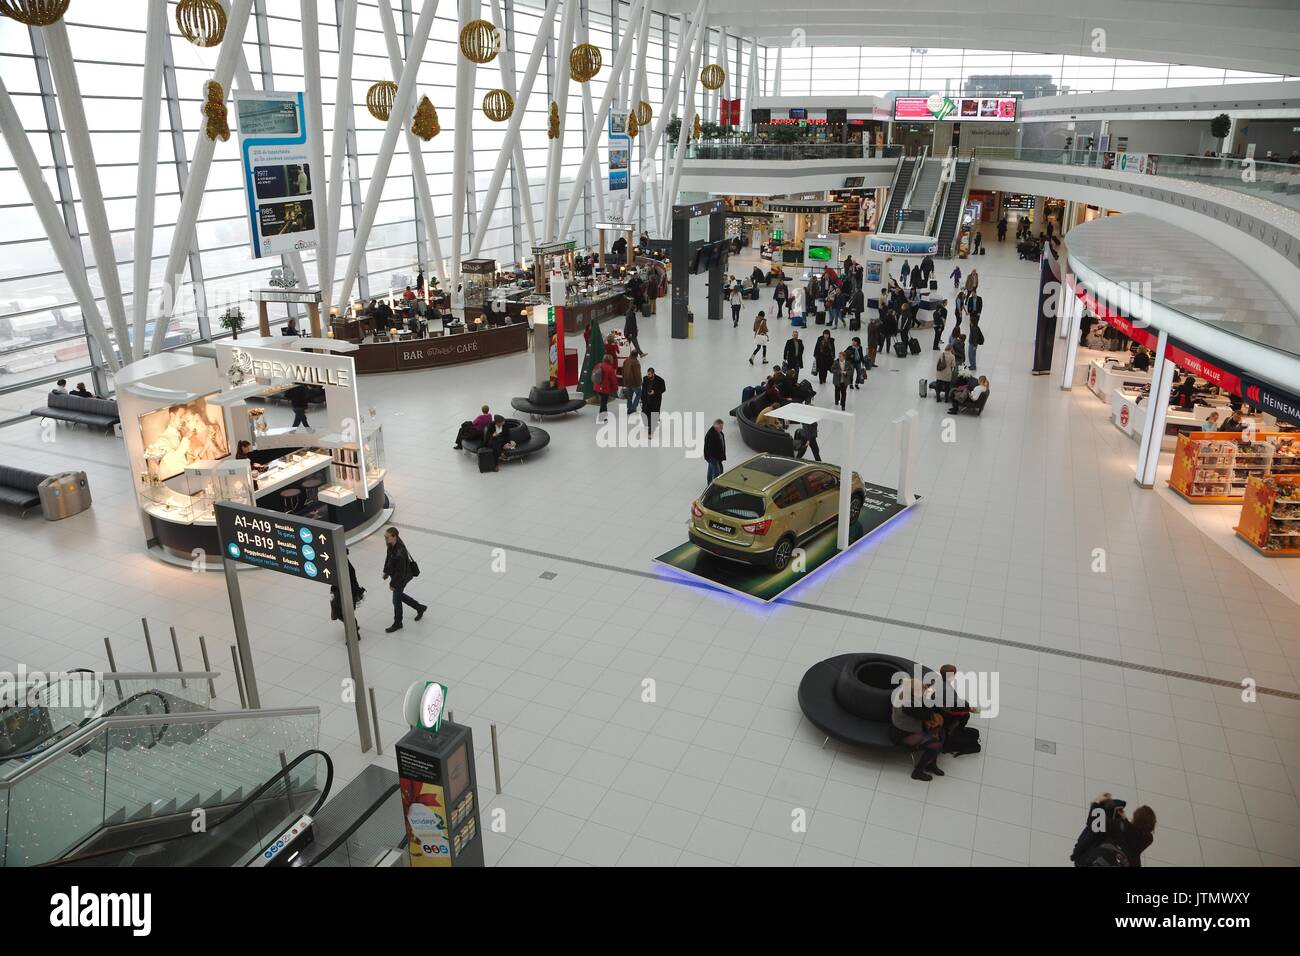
(1277, 182)
(788, 151)
(380, 829)
(131, 769)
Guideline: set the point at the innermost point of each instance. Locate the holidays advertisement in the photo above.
(960, 109)
(555, 335)
(280, 184)
(620, 151)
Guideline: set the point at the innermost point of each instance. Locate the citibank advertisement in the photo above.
(280, 184)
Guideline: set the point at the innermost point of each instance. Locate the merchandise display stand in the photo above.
(1215, 468)
(1270, 516)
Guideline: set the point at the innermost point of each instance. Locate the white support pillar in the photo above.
(684, 135)
(515, 147)
(908, 425)
(555, 154)
(77, 130)
(512, 140)
(146, 178)
(339, 144)
(56, 230)
(1153, 429)
(594, 131)
(462, 144)
(397, 122)
(1075, 309)
(670, 96)
(232, 48)
(619, 68)
(752, 86)
(327, 227)
(423, 198)
(776, 85)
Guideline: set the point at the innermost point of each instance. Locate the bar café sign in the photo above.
(242, 366)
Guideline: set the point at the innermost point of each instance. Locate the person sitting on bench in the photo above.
(969, 392)
(473, 429)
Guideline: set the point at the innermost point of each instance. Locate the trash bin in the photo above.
(64, 495)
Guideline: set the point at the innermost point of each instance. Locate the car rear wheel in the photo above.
(781, 553)
(855, 508)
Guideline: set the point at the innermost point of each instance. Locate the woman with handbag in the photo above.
(760, 337)
(399, 569)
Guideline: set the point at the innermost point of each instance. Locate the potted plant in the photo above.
(233, 319)
(674, 128)
(1220, 127)
(711, 131)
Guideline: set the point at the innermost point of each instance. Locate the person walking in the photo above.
(940, 320)
(604, 381)
(630, 331)
(927, 269)
(874, 329)
(955, 275)
(905, 273)
(888, 329)
(399, 569)
(1002, 229)
(779, 295)
(652, 397)
(823, 356)
(839, 304)
(806, 438)
(793, 355)
(715, 451)
(632, 383)
(841, 375)
(736, 300)
(298, 400)
(856, 304)
(760, 337)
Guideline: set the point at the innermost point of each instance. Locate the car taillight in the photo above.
(758, 527)
(695, 509)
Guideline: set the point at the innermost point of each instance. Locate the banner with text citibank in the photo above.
(280, 185)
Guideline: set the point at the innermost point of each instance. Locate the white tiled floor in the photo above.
(992, 571)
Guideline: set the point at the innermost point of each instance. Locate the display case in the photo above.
(477, 280)
(372, 441)
(1270, 515)
(210, 482)
(1217, 467)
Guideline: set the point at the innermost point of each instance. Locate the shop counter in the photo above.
(1105, 376)
(1130, 416)
(450, 349)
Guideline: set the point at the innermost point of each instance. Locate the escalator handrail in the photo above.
(355, 826)
(84, 734)
(239, 808)
(50, 741)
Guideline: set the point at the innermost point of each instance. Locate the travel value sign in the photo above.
(286, 543)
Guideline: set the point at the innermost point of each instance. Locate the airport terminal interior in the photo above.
(423, 430)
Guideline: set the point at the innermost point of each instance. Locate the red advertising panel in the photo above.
(1138, 334)
(1228, 381)
(956, 109)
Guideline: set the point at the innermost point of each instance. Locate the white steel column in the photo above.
(1153, 430)
(397, 122)
(684, 135)
(512, 141)
(146, 178)
(77, 131)
(67, 255)
(1075, 309)
(555, 155)
(327, 227)
(776, 88)
(414, 148)
(620, 66)
(592, 130)
(339, 144)
(462, 144)
(232, 48)
(751, 87)
(514, 148)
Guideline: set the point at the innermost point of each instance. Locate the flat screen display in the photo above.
(457, 773)
(181, 435)
(758, 117)
(837, 116)
(853, 182)
(798, 112)
(950, 109)
(820, 254)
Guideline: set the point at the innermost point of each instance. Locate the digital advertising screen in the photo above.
(947, 109)
(181, 435)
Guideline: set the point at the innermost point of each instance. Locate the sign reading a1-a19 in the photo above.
(286, 543)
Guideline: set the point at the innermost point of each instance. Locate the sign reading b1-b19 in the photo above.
(286, 543)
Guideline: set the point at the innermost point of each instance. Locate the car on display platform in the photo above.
(759, 512)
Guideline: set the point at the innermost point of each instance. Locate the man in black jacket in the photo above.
(715, 451)
(652, 396)
(399, 570)
(940, 320)
(824, 355)
(630, 330)
(794, 354)
(298, 400)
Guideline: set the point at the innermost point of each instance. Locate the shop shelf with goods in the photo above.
(1215, 467)
(1270, 515)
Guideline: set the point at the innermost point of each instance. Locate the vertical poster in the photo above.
(424, 807)
(555, 336)
(281, 187)
(620, 151)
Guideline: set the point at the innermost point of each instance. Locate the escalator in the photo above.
(897, 194)
(921, 201)
(953, 206)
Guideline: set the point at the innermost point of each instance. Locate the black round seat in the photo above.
(847, 697)
(535, 439)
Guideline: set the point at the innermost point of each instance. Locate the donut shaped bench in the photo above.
(847, 697)
(547, 402)
(538, 439)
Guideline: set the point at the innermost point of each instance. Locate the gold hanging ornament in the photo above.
(480, 41)
(426, 124)
(713, 76)
(214, 108)
(584, 62)
(202, 22)
(553, 122)
(34, 13)
(633, 127)
(498, 105)
(644, 113)
(379, 99)
(697, 130)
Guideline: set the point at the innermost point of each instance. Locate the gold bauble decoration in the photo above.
(214, 108)
(498, 105)
(713, 76)
(34, 13)
(202, 22)
(584, 62)
(644, 113)
(426, 124)
(553, 122)
(379, 99)
(480, 41)
(697, 130)
(633, 127)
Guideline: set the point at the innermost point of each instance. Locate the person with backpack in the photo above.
(760, 337)
(1110, 839)
(940, 320)
(604, 381)
(399, 570)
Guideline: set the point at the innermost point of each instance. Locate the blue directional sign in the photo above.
(306, 548)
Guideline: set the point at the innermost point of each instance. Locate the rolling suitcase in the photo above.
(855, 324)
(821, 318)
(934, 285)
(487, 461)
(914, 346)
(900, 348)
(798, 322)
(925, 389)
(746, 393)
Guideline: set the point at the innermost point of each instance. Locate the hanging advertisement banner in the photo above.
(280, 185)
(620, 152)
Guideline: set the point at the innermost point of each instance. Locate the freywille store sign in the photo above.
(242, 365)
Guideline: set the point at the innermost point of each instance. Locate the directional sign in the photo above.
(282, 542)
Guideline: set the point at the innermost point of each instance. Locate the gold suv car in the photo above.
(758, 512)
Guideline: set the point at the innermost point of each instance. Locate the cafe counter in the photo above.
(449, 349)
